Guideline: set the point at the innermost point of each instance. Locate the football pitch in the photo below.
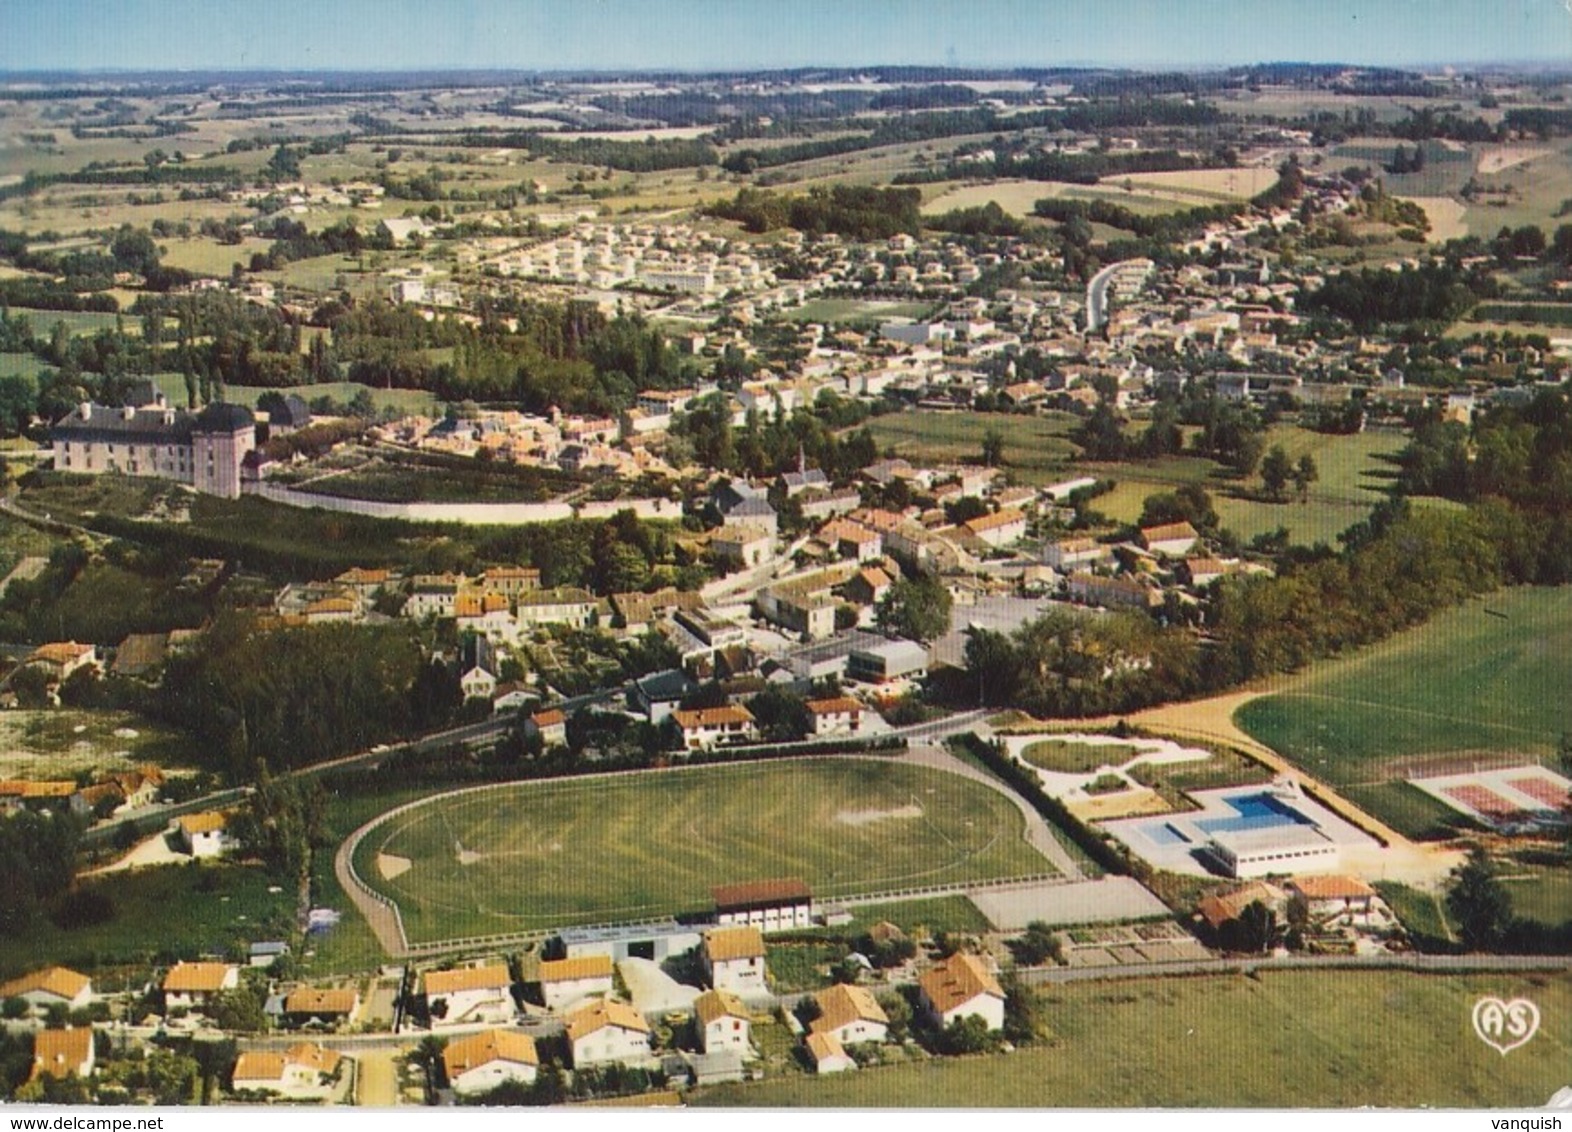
(544, 855)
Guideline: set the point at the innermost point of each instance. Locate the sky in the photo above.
(695, 35)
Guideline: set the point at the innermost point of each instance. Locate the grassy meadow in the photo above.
(1487, 677)
(1288, 1039)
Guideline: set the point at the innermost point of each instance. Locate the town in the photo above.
(782, 588)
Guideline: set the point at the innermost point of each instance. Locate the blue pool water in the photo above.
(1165, 834)
(1256, 811)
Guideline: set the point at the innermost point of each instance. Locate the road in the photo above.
(1039, 834)
(1434, 964)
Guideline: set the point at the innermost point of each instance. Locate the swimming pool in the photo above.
(1165, 834)
(1256, 811)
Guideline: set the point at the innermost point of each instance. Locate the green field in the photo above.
(1290, 1039)
(1353, 474)
(856, 310)
(22, 365)
(408, 401)
(175, 911)
(1487, 677)
(1036, 448)
(552, 854)
(1075, 758)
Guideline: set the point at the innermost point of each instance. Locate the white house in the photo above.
(1066, 554)
(302, 1072)
(1334, 895)
(723, 1022)
(1173, 540)
(52, 986)
(478, 1063)
(305, 1005)
(604, 1032)
(959, 986)
(998, 528)
(191, 985)
(552, 727)
(469, 994)
(840, 715)
(850, 1015)
(743, 545)
(828, 1055)
(204, 834)
(734, 959)
(705, 728)
(564, 982)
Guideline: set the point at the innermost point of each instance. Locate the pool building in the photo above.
(1251, 831)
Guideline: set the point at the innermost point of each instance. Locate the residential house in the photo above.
(770, 905)
(1220, 909)
(1333, 895)
(551, 725)
(302, 1072)
(1113, 593)
(734, 959)
(510, 581)
(959, 986)
(722, 1022)
(742, 545)
(850, 1014)
(852, 540)
(63, 1053)
(828, 1055)
(469, 994)
(868, 585)
(140, 655)
(204, 834)
(604, 1033)
(487, 615)
(706, 728)
(564, 982)
(1203, 571)
(433, 595)
(657, 695)
(840, 715)
(51, 986)
(61, 658)
(511, 695)
(478, 1063)
(1173, 540)
(567, 605)
(754, 512)
(1066, 554)
(998, 528)
(192, 985)
(305, 1006)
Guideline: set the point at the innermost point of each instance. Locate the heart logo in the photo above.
(1505, 1025)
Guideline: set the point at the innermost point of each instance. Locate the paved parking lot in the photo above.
(1106, 901)
(1000, 614)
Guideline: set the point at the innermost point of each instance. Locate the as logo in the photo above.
(1505, 1025)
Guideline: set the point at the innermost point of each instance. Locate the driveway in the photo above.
(653, 991)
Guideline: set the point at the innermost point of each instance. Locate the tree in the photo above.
(1276, 470)
(1479, 902)
(918, 608)
(966, 1034)
(1036, 946)
(993, 448)
(1305, 473)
